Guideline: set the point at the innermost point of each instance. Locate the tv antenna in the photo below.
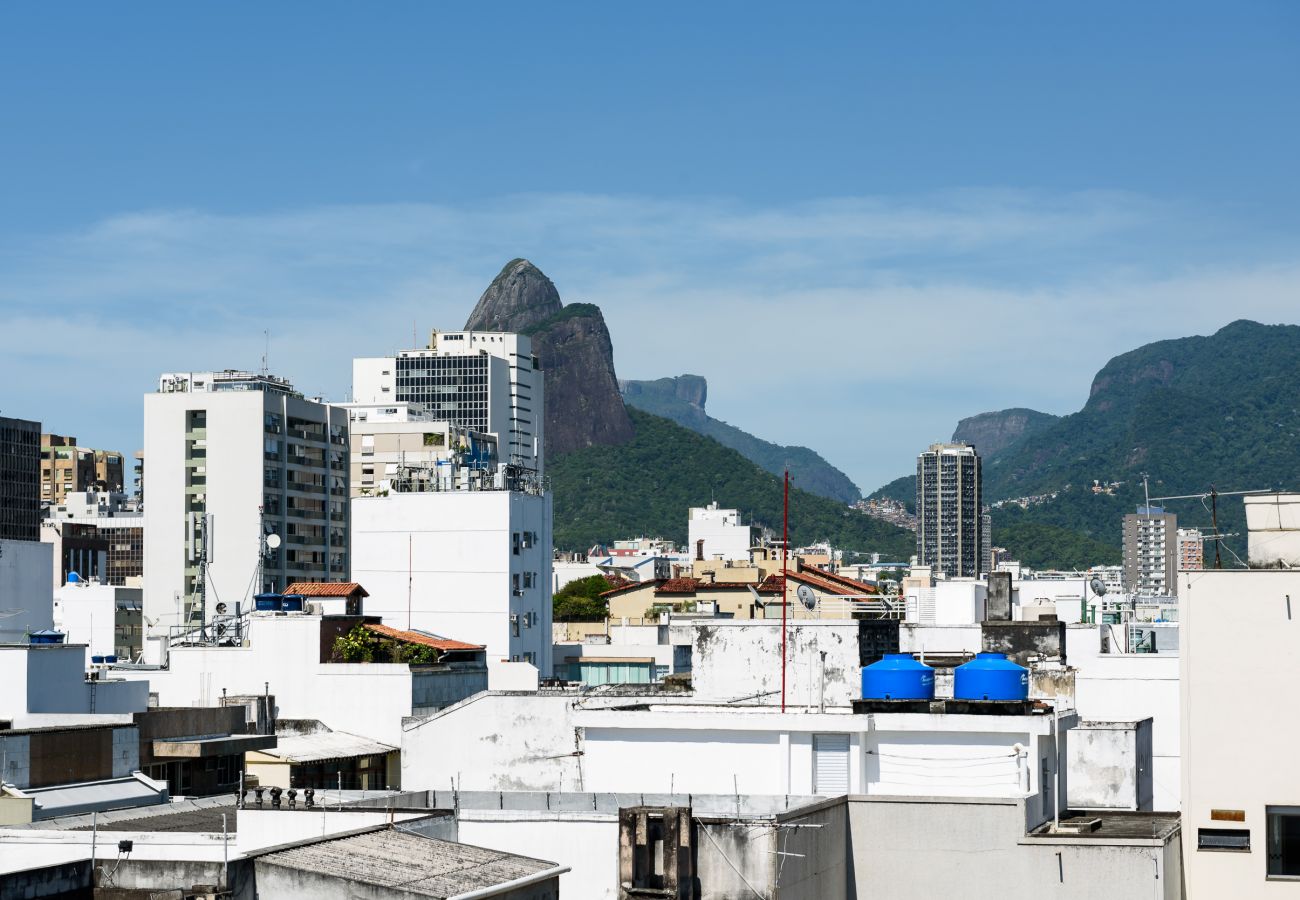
(1213, 494)
(266, 350)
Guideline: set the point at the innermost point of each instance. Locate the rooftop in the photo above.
(399, 860)
(419, 637)
(1113, 824)
(324, 745)
(326, 589)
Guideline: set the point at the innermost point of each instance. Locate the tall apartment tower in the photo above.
(235, 458)
(485, 381)
(20, 479)
(1151, 552)
(950, 510)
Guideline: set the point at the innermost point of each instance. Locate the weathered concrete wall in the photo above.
(814, 857)
(736, 860)
(742, 658)
(1110, 765)
(586, 842)
(433, 689)
(1022, 640)
(67, 881)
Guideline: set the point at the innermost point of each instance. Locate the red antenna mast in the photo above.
(785, 550)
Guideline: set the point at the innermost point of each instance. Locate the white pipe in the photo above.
(1056, 767)
(498, 889)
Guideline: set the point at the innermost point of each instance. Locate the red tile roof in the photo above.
(427, 640)
(830, 583)
(692, 585)
(624, 588)
(326, 589)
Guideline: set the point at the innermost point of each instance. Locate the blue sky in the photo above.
(860, 222)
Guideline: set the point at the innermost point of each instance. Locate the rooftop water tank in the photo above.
(46, 637)
(268, 602)
(991, 676)
(896, 676)
(97, 660)
(292, 602)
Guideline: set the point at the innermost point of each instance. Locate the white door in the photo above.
(830, 764)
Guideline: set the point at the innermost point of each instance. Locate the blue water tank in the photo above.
(46, 637)
(292, 602)
(991, 676)
(110, 659)
(97, 660)
(897, 676)
(268, 602)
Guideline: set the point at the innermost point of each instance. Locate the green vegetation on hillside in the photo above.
(570, 311)
(808, 470)
(646, 486)
(1049, 547)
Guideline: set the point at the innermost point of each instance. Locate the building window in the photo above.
(1284, 841)
(514, 543)
(514, 584)
(1223, 839)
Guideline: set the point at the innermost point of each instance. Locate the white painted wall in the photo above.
(588, 843)
(1240, 652)
(26, 589)
(87, 614)
(451, 554)
(722, 532)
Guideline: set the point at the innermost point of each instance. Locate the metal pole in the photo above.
(785, 600)
(94, 835)
(225, 852)
(1214, 514)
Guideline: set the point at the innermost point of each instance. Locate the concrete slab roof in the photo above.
(412, 864)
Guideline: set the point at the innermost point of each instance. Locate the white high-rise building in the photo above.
(242, 457)
(718, 534)
(484, 381)
(459, 546)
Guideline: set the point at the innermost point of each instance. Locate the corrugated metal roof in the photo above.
(408, 862)
(326, 589)
(118, 793)
(305, 748)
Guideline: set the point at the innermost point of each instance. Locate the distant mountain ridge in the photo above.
(1220, 409)
(683, 398)
(993, 432)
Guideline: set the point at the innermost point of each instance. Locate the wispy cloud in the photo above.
(861, 326)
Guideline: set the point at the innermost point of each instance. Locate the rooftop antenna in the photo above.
(266, 350)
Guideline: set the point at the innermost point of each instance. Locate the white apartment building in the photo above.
(397, 442)
(718, 534)
(488, 382)
(245, 465)
(951, 523)
(463, 550)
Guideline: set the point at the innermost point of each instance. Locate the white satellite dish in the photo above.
(806, 596)
(272, 541)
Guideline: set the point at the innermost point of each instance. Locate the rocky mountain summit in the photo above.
(682, 399)
(583, 406)
(993, 432)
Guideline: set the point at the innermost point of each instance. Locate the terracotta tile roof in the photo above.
(326, 589)
(830, 583)
(625, 588)
(427, 640)
(693, 585)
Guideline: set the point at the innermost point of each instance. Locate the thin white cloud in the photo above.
(862, 326)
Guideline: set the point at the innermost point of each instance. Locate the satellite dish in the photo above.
(272, 541)
(1098, 586)
(806, 596)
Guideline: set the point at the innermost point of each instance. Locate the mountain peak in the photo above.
(520, 297)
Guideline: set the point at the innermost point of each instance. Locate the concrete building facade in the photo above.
(259, 468)
(20, 479)
(67, 468)
(487, 382)
(718, 534)
(950, 510)
(1151, 552)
